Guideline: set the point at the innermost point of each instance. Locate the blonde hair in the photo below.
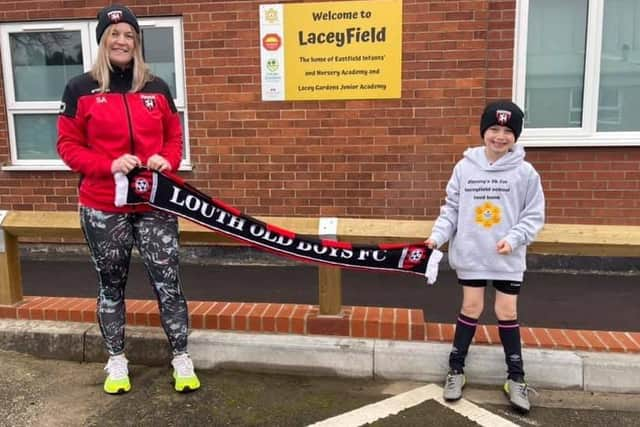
(102, 68)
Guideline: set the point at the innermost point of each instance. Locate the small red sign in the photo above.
(271, 41)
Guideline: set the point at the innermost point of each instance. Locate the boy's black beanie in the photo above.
(112, 15)
(503, 113)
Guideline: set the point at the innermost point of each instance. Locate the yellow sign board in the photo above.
(332, 50)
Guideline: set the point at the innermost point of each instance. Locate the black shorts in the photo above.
(510, 287)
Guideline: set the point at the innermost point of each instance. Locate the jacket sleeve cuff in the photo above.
(105, 167)
(436, 239)
(513, 242)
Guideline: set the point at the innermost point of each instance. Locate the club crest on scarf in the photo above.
(140, 184)
(411, 257)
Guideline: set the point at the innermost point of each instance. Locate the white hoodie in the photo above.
(486, 203)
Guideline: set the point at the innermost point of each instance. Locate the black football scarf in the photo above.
(170, 193)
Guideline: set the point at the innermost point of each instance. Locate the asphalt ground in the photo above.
(559, 299)
(38, 392)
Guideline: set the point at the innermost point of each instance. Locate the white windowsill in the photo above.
(598, 140)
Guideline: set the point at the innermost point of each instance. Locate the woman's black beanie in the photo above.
(112, 15)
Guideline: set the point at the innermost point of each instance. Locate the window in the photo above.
(577, 72)
(39, 58)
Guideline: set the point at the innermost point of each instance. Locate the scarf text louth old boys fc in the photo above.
(170, 193)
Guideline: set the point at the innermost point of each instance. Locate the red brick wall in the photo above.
(372, 158)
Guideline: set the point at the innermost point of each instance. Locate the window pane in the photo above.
(158, 53)
(36, 136)
(619, 99)
(556, 43)
(43, 62)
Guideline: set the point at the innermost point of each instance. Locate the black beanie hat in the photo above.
(112, 15)
(503, 113)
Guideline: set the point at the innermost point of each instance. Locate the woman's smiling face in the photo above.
(121, 40)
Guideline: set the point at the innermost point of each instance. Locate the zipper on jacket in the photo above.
(126, 106)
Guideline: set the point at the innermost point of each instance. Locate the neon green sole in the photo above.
(186, 384)
(117, 386)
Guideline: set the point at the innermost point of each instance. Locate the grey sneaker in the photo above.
(453, 385)
(518, 394)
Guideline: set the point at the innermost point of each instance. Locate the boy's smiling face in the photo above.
(498, 140)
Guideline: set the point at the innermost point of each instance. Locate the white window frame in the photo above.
(33, 107)
(89, 52)
(586, 135)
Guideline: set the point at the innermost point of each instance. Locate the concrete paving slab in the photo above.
(46, 339)
(308, 355)
(554, 369)
(418, 361)
(609, 372)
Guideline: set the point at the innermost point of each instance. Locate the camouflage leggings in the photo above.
(110, 237)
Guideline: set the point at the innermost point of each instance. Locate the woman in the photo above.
(115, 118)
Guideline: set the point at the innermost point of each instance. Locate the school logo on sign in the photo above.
(271, 16)
(271, 42)
(272, 65)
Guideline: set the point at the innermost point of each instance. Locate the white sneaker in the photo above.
(117, 380)
(518, 394)
(453, 385)
(183, 373)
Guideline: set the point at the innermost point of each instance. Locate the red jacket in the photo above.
(95, 128)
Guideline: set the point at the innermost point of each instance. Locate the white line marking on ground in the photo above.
(523, 419)
(475, 413)
(395, 404)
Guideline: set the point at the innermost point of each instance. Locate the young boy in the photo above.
(494, 208)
